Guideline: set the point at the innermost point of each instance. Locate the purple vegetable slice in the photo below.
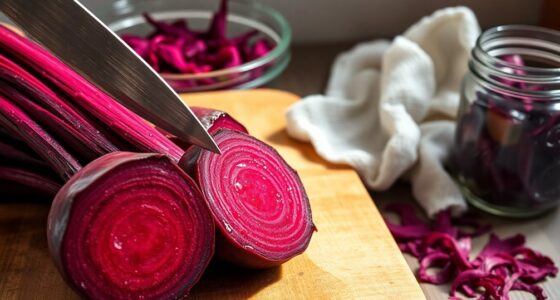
(195, 48)
(218, 26)
(503, 265)
(175, 48)
(131, 226)
(436, 259)
(172, 55)
(258, 202)
(259, 49)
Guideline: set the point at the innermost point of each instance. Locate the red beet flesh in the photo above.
(132, 226)
(258, 202)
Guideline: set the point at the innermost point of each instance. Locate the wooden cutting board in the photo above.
(352, 256)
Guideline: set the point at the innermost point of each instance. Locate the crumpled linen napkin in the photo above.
(389, 108)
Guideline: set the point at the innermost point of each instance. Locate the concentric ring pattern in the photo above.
(256, 198)
(136, 233)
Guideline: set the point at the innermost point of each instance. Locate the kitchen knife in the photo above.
(80, 39)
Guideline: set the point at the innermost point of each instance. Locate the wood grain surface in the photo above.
(352, 256)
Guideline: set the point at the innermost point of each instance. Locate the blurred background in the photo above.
(326, 21)
(324, 28)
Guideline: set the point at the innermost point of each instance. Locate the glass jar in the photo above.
(506, 155)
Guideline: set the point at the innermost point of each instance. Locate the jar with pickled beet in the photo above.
(506, 155)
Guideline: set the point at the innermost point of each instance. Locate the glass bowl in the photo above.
(125, 16)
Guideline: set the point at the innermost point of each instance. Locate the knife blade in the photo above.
(81, 40)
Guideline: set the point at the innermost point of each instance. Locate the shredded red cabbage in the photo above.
(175, 48)
(503, 265)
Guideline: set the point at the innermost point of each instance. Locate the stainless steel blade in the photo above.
(76, 36)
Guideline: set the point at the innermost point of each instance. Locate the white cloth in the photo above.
(389, 108)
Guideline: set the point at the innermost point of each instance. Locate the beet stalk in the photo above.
(87, 96)
(71, 137)
(30, 179)
(258, 202)
(18, 152)
(131, 226)
(4, 132)
(16, 120)
(17, 77)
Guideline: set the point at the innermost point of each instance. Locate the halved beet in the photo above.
(131, 226)
(258, 202)
(214, 120)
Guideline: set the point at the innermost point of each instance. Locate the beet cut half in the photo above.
(258, 202)
(214, 120)
(131, 226)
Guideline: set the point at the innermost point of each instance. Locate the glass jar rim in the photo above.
(488, 63)
(494, 32)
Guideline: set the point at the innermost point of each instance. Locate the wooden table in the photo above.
(308, 73)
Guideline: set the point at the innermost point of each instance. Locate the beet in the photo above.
(214, 120)
(129, 226)
(135, 225)
(258, 202)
